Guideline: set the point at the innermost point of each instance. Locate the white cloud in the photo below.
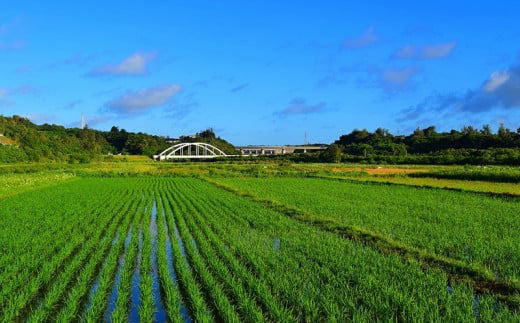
(137, 102)
(500, 92)
(496, 80)
(434, 51)
(365, 39)
(135, 64)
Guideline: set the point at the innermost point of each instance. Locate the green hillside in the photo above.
(23, 141)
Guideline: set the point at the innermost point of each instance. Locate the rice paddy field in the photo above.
(220, 242)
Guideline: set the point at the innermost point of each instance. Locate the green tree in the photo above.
(333, 153)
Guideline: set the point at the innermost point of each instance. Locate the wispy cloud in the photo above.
(71, 105)
(239, 87)
(135, 64)
(500, 90)
(77, 59)
(367, 38)
(133, 103)
(433, 51)
(7, 94)
(6, 31)
(4, 100)
(300, 106)
(92, 121)
(40, 118)
(22, 69)
(391, 79)
(24, 89)
(13, 45)
(396, 78)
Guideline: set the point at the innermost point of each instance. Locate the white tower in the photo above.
(82, 120)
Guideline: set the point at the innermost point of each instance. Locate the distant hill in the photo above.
(23, 141)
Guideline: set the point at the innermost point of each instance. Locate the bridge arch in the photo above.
(190, 150)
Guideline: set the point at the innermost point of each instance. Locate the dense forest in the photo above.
(23, 141)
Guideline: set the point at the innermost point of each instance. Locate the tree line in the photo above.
(23, 141)
(427, 146)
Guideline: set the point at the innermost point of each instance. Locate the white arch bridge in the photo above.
(190, 150)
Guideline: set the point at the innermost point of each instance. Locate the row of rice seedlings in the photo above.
(413, 217)
(403, 286)
(307, 302)
(54, 243)
(224, 309)
(50, 301)
(172, 295)
(310, 302)
(207, 216)
(16, 268)
(99, 300)
(120, 311)
(185, 277)
(244, 301)
(26, 296)
(254, 284)
(29, 267)
(22, 211)
(255, 261)
(160, 313)
(79, 292)
(17, 297)
(325, 266)
(147, 307)
(233, 286)
(300, 285)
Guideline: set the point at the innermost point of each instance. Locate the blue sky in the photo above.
(262, 72)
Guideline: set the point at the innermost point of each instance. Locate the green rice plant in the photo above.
(30, 293)
(185, 277)
(78, 293)
(172, 295)
(147, 307)
(223, 307)
(482, 229)
(249, 230)
(120, 312)
(106, 277)
(49, 303)
(236, 258)
(232, 278)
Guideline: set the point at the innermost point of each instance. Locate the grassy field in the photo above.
(131, 240)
